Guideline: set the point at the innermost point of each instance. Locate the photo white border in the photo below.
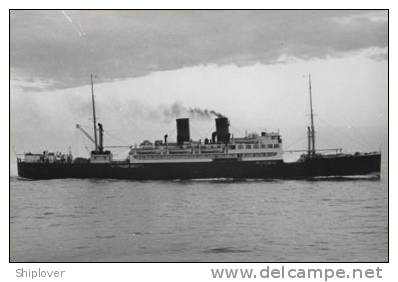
(181, 271)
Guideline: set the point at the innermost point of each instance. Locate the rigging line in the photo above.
(114, 137)
(301, 138)
(343, 134)
(200, 134)
(171, 131)
(337, 133)
(338, 129)
(210, 132)
(350, 121)
(237, 130)
(134, 130)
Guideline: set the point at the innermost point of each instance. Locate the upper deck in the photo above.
(253, 147)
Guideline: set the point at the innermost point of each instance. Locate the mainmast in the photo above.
(312, 146)
(94, 117)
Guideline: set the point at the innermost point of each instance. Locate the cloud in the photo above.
(60, 50)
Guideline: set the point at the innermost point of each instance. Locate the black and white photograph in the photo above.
(198, 136)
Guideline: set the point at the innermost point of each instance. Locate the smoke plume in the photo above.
(177, 110)
(205, 114)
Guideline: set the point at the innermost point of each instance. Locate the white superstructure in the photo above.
(254, 147)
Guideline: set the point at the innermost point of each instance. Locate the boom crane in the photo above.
(78, 126)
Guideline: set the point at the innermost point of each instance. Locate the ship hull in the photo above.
(311, 167)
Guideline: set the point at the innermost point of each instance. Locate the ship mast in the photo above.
(312, 133)
(94, 117)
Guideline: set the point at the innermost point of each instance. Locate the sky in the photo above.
(153, 66)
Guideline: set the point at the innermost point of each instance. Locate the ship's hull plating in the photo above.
(313, 167)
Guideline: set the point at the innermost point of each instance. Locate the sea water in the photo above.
(70, 220)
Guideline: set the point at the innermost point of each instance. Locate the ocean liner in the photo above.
(258, 156)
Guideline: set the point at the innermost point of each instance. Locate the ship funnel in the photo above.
(183, 131)
(222, 129)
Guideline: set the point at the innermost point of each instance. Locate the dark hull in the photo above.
(313, 167)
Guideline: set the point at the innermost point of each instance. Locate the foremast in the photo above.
(311, 129)
(94, 116)
(98, 155)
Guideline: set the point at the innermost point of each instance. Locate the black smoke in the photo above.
(177, 110)
(203, 113)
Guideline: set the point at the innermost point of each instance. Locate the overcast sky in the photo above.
(250, 65)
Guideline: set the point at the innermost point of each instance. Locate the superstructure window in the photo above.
(248, 146)
(263, 146)
(240, 146)
(276, 145)
(255, 146)
(269, 146)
